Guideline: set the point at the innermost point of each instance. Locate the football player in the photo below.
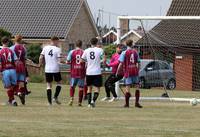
(51, 55)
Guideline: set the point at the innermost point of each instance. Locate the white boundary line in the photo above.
(163, 99)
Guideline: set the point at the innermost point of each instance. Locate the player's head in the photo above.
(18, 39)
(88, 45)
(55, 41)
(94, 41)
(5, 41)
(129, 43)
(79, 43)
(119, 48)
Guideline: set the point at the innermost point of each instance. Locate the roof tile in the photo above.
(38, 18)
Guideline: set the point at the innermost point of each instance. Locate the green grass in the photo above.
(156, 119)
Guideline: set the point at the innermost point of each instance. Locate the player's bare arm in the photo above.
(41, 59)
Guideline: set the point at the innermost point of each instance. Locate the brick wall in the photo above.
(124, 26)
(184, 72)
(81, 29)
(33, 69)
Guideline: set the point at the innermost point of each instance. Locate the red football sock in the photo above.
(127, 97)
(85, 90)
(10, 93)
(80, 95)
(16, 89)
(22, 90)
(72, 90)
(137, 96)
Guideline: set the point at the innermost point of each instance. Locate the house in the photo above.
(177, 41)
(109, 37)
(134, 35)
(38, 20)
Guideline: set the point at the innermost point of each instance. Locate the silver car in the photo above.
(156, 73)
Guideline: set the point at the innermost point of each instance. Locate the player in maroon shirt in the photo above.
(130, 61)
(7, 67)
(20, 51)
(77, 72)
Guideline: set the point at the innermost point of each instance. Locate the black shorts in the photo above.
(94, 80)
(53, 76)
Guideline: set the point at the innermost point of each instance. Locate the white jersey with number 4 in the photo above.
(93, 58)
(51, 55)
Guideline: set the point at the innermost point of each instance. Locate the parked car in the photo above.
(156, 73)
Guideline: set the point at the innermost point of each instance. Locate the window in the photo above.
(154, 65)
(164, 65)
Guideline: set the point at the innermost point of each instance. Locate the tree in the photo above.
(109, 50)
(3, 33)
(33, 52)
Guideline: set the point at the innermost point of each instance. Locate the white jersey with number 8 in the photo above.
(93, 58)
(51, 55)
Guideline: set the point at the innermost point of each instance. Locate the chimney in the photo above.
(124, 26)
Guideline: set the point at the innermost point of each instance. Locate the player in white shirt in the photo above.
(93, 56)
(51, 55)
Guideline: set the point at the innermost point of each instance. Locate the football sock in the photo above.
(10, 94)
(72, 90)
(22, 90)
(137, 96)
(58, 89)
(25, 86)
(96, 94)
(80, 96)
(85, 90)
(89, 96)
(16, 89)
(49, 96)
(127, 97)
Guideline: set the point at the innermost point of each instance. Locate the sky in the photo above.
(128, 7)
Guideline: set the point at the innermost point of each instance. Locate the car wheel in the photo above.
(171, 84)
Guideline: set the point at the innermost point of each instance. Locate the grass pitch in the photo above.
(156, 119)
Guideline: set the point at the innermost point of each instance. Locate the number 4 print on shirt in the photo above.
(132, 58)
(8, 58)
(51, 53)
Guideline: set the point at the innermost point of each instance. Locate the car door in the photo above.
(165, 72)
(152, 73)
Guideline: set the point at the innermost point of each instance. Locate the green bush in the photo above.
(3, 33)
(33, 52)
(109, 50)
(36, 79)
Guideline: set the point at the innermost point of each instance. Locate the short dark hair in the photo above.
(88, 45)
(129, 42)
(18, 38)
(121, 46)
(94, 41)
(5, 40)
(54, 38)
(79, 43)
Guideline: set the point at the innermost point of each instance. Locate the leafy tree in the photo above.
(33, 52)
(3, 33)
(109, 50)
